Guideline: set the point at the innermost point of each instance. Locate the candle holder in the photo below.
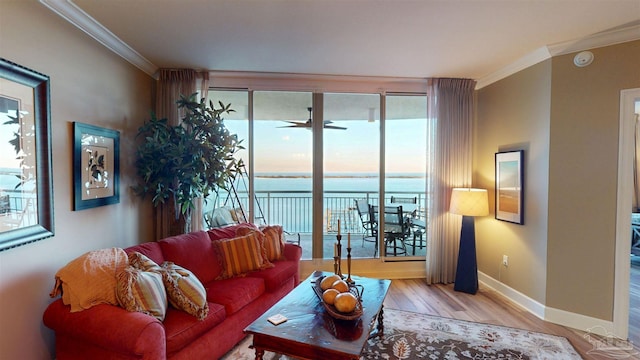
(339, 248)
(336, 260)
(349, 279)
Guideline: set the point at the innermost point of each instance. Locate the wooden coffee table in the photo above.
(310, 332)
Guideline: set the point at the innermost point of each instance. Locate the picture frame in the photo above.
(96, 166)
(26, 180)
(510, 186)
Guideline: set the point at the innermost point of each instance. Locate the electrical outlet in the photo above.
(505, 260)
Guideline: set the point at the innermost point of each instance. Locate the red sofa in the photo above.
(110, 332)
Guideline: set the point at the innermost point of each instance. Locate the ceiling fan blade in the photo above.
(335, 127)
(307, 124)
(295, 125)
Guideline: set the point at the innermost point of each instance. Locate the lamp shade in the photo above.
(469, 202)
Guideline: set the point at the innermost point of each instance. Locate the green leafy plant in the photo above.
(177, 164)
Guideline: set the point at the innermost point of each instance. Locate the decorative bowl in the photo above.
(331, 310)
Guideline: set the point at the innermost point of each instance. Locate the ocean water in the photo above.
(286, 199)
(344, 182)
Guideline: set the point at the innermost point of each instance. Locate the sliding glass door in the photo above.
(361, 152)
(351, 148)
(405, 179)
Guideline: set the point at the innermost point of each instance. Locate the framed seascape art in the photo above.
(509, 186)
(96, 166)
(26, 185)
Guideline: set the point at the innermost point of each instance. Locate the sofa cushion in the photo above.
(143, 291)
(235, 293)
(181, 250)
(240, 255)
(181, 329)
(184, 290)
(151, 250)
(277, 276)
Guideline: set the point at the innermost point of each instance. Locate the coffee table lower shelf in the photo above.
(311, 333)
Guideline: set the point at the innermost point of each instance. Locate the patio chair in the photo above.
(417, 230)
(367, 224)
(396, 228)
(407, 200)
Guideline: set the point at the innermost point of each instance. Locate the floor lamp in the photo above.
(468, 203)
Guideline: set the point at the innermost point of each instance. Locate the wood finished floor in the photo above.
(487, 306)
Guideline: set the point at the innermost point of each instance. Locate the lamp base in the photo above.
(467, 270)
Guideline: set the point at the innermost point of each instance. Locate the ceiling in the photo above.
(397, 38)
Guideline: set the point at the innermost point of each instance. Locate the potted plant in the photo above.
(177, 164)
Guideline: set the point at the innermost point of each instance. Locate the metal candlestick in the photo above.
(339, 273)
(336, 260)
(349, 279)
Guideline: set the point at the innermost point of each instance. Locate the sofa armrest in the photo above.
(292, 251)
(109, 327)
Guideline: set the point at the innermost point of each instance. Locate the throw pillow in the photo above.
(238, 215)
(240, 255)
(274, 242)
(142, 291)
(142, 262)
(185, 291)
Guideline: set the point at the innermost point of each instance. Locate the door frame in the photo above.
(626, 149)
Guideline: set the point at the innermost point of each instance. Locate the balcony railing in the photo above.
(294, 210)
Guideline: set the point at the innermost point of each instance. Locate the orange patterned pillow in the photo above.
(274, 242)
(184, 290)
(240, 255)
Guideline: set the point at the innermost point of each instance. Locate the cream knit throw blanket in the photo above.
(90, 279)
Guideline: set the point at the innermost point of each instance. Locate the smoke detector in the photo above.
(583, 58)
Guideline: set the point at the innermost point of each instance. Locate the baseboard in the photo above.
(561, 317)
(525, 302)
(581, 322)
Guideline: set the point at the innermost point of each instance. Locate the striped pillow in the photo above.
(185, 291)
(142, 291)
(274, 242)
(240, 255)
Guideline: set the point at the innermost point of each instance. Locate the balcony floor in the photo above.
(359, 248)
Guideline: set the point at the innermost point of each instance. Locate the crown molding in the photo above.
(606, 38)
(537, 56)
(83, 21)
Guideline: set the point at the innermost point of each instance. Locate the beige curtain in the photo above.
(450, 111)
(171, 84)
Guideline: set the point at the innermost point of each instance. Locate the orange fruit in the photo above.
(328, 281)
(340, 285)
(345, 302)
(329, 295)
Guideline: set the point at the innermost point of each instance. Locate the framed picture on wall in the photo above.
(26, 182)
(509, 186)
(96, 166)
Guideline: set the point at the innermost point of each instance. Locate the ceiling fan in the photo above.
(307, 124)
